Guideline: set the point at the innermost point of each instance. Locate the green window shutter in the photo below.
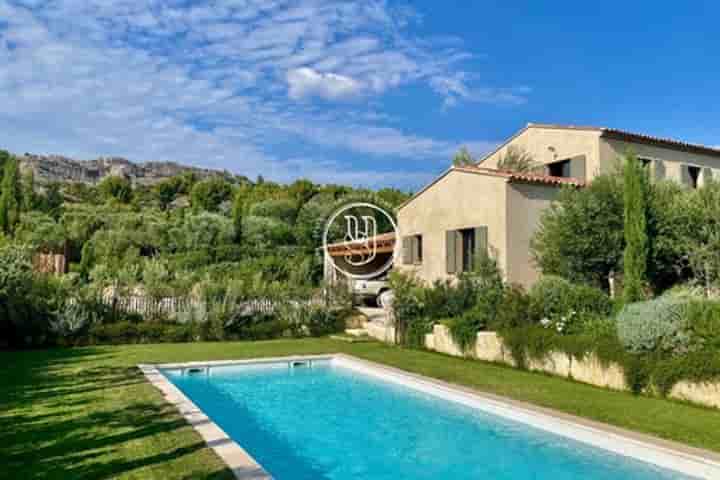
(577, 167)
(407, 250)
(481, 241)
(450, 252)
(685, 175)
(459, 251)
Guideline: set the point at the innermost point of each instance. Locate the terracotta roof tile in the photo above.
(524, 177)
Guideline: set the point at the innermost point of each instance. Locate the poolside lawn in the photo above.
(88, 413)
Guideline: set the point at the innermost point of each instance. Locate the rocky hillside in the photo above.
(55, 168)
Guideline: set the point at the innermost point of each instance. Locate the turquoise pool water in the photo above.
(327, 422)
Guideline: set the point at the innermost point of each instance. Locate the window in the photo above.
(417, 249)
(559, 169)
(693, 175)
(468, 248)
(646, 162)
(412, 250)
(462, 246)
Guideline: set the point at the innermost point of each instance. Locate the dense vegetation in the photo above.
(631, 276)
(229, 255)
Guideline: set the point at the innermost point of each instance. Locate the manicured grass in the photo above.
(88, 413)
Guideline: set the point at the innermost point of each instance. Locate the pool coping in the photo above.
(663, 453)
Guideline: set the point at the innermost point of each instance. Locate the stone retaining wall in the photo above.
(489, 347)
(380, 331)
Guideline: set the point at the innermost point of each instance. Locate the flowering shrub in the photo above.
(561, 324)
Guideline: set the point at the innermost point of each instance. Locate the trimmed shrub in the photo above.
(703, 317)
(552, 297)
(514, 310)
(656, 326)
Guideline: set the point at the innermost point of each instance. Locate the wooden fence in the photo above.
(148, 306)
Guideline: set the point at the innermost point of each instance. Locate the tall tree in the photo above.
(11, 197)
(238, 211)
(116, 187)
(517, 159)
(29, 199)
(463, 158)
(635, 187)
(4, 158)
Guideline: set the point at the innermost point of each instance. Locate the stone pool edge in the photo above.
(239, 461)
(666, 454)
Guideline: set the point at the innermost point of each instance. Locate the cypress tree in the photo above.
(635, 185)
(28, 191)
(10, 198)
(237, 213)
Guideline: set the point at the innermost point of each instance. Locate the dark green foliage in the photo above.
(238, 211)
(580, 237)
(168, 190)
(11, 197)
(282, 209)
(27, 302)
(514, 310)
(116, 187)
(29, 196)
(635, 183)
(209, 194)
(51, 202)
(552, 297)
(703, 321)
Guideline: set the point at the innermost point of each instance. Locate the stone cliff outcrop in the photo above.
(56, 168)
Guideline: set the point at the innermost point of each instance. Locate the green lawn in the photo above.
(88, 413)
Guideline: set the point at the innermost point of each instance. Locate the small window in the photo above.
(646, 162)
(468, 249)
(417, 247)
(412, 250)
(693, 175)
(559, 169)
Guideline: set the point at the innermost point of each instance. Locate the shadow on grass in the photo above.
(76, 413)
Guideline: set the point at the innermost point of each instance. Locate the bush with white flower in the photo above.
(561, 324)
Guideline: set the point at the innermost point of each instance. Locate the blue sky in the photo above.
(371, 93)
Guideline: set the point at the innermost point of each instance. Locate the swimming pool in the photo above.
(339, 418)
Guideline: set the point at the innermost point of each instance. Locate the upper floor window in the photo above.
(559, 169)
(693, 175)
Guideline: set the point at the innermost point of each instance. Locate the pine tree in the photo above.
(636, 239)
(463, 158)
(10, 198)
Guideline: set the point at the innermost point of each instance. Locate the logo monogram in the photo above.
(360, 245)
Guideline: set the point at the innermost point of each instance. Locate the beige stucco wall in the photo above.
(611, 150)
(456, 201)
(525, 204)
(566, 143)
(490, 347)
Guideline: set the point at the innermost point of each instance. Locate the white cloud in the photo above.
(160, 80)
(306, 82)
(455, 88)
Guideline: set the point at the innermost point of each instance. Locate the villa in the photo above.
(471, 209)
